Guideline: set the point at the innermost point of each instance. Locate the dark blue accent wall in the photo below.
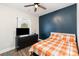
(63, 20)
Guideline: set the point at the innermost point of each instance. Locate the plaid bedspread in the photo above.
(55, 47)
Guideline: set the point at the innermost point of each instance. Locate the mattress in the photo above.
(56, 45)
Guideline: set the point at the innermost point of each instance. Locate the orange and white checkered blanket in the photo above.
(56, 45)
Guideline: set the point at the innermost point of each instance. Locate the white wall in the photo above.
(8, 24)
(78, 23)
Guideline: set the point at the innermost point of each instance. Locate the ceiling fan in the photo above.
(36, 5)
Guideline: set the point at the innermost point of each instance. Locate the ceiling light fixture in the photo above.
(36, 6)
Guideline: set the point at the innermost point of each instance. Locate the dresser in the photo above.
(23, 42)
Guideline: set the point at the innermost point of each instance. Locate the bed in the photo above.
(58, 44)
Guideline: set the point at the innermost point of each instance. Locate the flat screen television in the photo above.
(22, 31)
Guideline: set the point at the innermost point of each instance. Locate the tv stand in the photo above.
(23, 42)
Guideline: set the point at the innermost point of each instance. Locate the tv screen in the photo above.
(22, 31)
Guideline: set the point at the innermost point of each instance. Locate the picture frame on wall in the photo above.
(24, 23)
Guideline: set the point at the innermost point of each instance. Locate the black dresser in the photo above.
(23, 42)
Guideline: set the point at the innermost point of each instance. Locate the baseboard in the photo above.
(7, 49)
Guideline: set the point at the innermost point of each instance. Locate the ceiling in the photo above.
(50, 7)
